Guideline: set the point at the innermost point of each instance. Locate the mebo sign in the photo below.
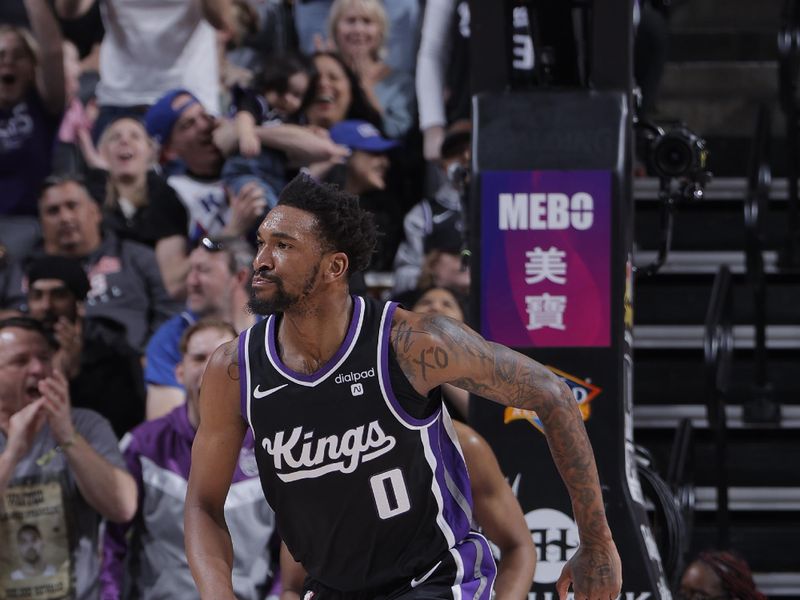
(545, 211)
(546, 258)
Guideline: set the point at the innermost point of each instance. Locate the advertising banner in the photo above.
(545, 258)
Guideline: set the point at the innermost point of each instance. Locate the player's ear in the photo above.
(337, 266)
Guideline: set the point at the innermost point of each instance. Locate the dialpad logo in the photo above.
(583, 391)
(354, 376)
(357, 389)
(555, 536)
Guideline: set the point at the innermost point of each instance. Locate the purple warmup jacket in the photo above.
(153, 563)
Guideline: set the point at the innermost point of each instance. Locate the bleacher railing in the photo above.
(760, 407)
(755, 209)
(789, 91)
(718, 356)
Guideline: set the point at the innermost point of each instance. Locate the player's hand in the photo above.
(23, 427)
(594, 571)
(247, 207)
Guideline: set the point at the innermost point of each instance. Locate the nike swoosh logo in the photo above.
(258, 394)
(415, 582)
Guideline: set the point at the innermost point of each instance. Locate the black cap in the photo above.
(65, 269)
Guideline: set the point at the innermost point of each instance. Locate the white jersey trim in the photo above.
(248, 391)
(437, 493)
(456, 589)
(385, 384)
(330, 369)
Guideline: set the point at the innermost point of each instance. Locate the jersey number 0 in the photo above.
(390, 493)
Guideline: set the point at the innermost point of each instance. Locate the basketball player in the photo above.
(355, 454)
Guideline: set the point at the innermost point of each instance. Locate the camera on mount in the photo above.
(679, 158)
(677, 154)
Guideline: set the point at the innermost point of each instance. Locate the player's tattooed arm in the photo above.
(433, 349)
(230, 351)
(215, 452)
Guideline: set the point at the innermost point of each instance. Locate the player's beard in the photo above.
(281, 301)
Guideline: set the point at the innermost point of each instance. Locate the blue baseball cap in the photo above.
(162, 116)
(361, 135)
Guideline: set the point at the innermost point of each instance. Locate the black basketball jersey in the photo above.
(364, 493)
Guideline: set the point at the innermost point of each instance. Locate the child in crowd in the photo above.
(275, 99)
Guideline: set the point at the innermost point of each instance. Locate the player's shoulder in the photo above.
(411, 327)
(225, 357)
(422, 323)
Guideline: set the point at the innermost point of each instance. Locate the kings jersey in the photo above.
(364, 492)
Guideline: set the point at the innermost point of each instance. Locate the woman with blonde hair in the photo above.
(358, 30)
(138, 204)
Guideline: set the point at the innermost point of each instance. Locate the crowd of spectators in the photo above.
(141, 144)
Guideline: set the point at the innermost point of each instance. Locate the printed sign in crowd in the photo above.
(34, 551)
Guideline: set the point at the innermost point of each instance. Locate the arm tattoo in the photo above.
(231, 352)
(433, 358)
(493, 371)
(402, 339)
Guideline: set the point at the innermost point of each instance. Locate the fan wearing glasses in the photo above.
(718, 576)
(217, 286)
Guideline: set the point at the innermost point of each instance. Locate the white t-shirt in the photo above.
(206, 204)
(152, 46)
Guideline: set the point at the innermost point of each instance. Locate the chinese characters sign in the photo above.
(545, 258)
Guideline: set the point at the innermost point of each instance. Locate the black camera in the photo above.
(679, 158)
(678, 153)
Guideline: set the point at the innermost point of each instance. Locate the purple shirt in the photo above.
(27, 136)
(158, 454)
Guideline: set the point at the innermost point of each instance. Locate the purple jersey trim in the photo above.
(452, 480)
(322, 373)
(477, 569)
(385, 378)
(243, 374)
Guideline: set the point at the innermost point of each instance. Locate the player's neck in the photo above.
(308, 339)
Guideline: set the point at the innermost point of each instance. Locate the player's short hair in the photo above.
(343, 225)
